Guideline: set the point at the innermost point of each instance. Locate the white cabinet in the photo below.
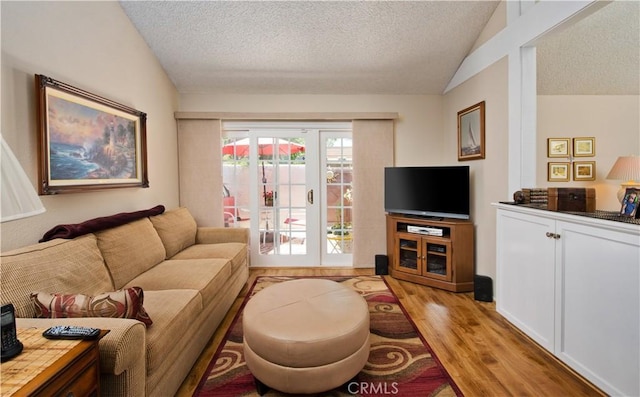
(572, 284)
(525, 275)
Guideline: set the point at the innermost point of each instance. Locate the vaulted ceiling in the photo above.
(366, 47)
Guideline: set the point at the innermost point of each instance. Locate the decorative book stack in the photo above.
(537, 196)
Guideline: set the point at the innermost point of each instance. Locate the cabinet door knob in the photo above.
(549, 234)
(553, 235)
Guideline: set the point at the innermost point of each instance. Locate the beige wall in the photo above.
(92, 46)
(614, 122)
(488, 176)
(418, 137)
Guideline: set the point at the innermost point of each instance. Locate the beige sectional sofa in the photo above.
(190, 277)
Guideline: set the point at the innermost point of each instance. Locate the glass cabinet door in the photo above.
(437, 262)
(409, 255)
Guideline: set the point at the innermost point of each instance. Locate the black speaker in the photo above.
(482, 288)
(382, 265)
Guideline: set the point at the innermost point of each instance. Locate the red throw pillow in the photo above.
(125, 303)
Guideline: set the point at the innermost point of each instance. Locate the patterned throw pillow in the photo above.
(126, 303)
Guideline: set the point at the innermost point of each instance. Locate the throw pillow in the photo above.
(126, 303)
(177, 230)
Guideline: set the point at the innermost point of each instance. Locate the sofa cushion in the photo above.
(235, 252)
(173, 312)
(125, 303)
(177, 230)
(59, 266)
(208, 276)
(130, 249)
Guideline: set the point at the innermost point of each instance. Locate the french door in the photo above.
(290, 183)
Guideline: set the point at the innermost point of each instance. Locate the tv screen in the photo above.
(427, 191)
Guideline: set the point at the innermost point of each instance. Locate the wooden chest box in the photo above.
(577, 199)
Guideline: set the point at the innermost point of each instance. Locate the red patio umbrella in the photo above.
(266, 147)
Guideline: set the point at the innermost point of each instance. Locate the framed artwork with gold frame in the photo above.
(584, 170)
(584, 147)
(87, 142)
(558, 147)
(558, 172)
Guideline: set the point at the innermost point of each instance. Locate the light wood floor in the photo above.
(482, 352)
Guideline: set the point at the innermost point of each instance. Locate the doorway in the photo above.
(290, 183)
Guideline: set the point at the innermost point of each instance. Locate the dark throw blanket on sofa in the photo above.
(97, 224)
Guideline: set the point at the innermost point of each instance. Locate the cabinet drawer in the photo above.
(78, 379)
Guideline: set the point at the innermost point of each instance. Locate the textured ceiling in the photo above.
(599, 55)
(369, 47)
(310, 47)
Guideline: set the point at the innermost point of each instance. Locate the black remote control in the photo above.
(71, 332)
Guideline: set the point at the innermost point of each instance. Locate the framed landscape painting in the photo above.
(87, 142)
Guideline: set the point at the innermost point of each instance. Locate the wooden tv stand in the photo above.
(444, 262)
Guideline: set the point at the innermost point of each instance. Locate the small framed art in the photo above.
(584, 170)
(630, 202)
(471, 132)
(558, 172)
(558, 147)
(584, 147)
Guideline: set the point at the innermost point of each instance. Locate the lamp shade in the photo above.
(19, 198)
(626, 168)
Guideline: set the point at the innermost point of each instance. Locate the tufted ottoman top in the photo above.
(306, 322)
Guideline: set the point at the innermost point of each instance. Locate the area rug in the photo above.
(401, 363)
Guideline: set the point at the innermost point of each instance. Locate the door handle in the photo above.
(310, 196)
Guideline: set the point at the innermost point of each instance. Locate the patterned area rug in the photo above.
(400, 363)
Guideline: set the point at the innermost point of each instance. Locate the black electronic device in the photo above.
(437, 191)
(11, 346)
(71, 332)
(483, 288)
(382, 265)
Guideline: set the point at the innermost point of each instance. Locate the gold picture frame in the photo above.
(558, 147)
(584, 170)
(87, 142)
(584, 147)
(471, 145)
(558, 172)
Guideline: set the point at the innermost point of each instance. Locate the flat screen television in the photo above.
(438, 191)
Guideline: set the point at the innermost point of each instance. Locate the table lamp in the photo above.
(19, 198)
(626, 168)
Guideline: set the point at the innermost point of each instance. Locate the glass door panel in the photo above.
(409, 256)
(282, 183)
(273, 184)
(437, 260)
(338, 193)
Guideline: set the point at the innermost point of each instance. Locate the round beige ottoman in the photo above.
(305, 336)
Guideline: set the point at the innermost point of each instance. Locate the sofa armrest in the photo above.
(122, 349)
(214, 235)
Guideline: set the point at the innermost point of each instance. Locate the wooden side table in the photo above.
(49, 367)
